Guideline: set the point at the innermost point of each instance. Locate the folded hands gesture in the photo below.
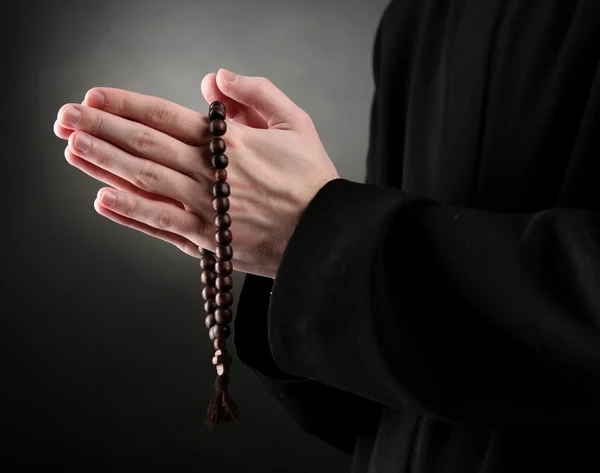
(154, 155)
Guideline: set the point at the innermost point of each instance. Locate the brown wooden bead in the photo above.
(218, 127)
(223, 236)
(208, 262)
(210, 306)
(220, 161)
(221, 175)
(224, 283)
(208, 277)
(216, 113)
(224, 252)
(205, 252)
(224, 268)
(209, 321)
(221, 204)
(223, 220)
(224, 300)
(223, 351)
(218, 360)
(217, 146)
(222, 357)
(221, 331)
(219, 344)
(221, 189)
(216, 103)
(209, 292)
(223, 316)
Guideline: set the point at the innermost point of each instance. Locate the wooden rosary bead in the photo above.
(219, 343)
(219, 331)
(208, 277)
(223, 220)
(223, 316)
(210, 306)
(209, 292)
(224, 268)
(216, 113)
(221, 204)
(224, 252)
(216, 103)
(208, 262)
(217, 146)
(224, 283)
(219, 360)
(205, 252)
(222, 357)
(224, 300)
(209, 321)
(218, 127)
(224, 236)
(221, 175)
(220, 161)
(221, 189)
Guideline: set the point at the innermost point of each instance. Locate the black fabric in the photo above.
(444, 316)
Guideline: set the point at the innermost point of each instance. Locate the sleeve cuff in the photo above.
(251, 341)
(320, 324)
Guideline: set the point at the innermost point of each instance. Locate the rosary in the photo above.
(216, 274)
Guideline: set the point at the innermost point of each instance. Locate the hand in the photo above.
(154, 154)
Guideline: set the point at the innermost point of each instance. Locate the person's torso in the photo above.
(484, 104)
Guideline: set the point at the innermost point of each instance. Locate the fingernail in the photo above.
(228, 75)
(70, 116)
(93, 97)
(82, 142)
(108, 197)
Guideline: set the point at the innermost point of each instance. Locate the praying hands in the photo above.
(155, 156)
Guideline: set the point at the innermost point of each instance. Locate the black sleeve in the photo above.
(324, 412)
(473, 317)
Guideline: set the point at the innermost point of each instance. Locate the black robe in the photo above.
(444, 316)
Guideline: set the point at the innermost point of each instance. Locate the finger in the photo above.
(133, 137)
(115, 181)
(167, 117)
(260, 94)
(157, 215)
(185, 245)
(236, 111)
(60, 131)
(142, 173)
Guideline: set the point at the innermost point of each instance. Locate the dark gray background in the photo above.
(107, 360)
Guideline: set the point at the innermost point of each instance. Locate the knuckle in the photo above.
(160, 114)
(263, 85)
(305, 118)
(143, 140)
(131, 209)
(97, 124)
(147, 176)
(162, 219)
(104, 158)
(119, 105)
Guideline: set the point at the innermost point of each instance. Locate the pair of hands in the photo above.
(155, 156)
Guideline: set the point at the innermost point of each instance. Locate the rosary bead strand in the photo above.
(216, 274)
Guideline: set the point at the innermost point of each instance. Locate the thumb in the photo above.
(260, 94)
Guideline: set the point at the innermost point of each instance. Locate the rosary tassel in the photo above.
(221, 408)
